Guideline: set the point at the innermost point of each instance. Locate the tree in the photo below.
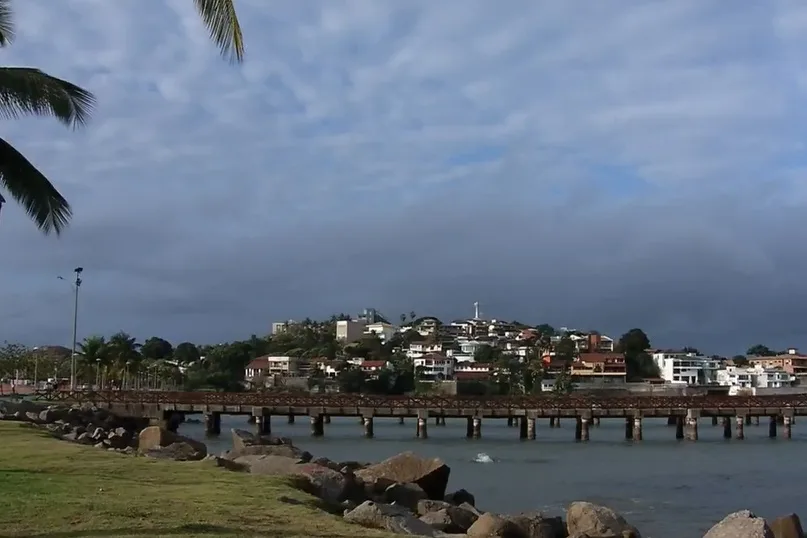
(123, 350)
(565, 349)
(28, 91)
(759, 351)
(740, 360)
(486, 354)
(350, 380)
(95, 357)
(13, 359)
(156, 348)
(634, 345)
(186, 353)
(544, 329)
(563, 383)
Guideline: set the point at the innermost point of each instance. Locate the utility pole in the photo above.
(76, 286)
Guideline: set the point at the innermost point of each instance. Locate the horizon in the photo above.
(581, 167)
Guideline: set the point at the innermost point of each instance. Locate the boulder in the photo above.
(428, 505)
(537, 525)
(244, 438)
(227, 464)
(323, 482)
(179, 451)
(268, 465)
(287, 451)
(430, 474)
(155, 437)
(451, 519)
(460, 496)
(788, 526)
(407, 495)
(742, 524)
(492, 526)
(388, 517)
(596, 521)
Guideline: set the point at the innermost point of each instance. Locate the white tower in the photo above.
(476, 310)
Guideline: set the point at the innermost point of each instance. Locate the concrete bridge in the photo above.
(683, 412)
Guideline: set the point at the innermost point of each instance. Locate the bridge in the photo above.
(683, 412)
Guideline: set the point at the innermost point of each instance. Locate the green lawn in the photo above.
(51, 488)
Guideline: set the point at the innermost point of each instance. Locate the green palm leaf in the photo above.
(221, 20)
(6, 26)
(27, 91)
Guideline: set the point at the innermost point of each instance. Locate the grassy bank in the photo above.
(51, 488)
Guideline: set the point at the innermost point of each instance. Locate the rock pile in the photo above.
(404, 494)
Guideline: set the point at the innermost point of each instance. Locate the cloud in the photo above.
(635, 164)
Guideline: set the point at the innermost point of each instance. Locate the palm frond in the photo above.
(32, 190)
(222, 22)
(27, 91)
(6, 26)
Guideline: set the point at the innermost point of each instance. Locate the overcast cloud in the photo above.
(594, 165)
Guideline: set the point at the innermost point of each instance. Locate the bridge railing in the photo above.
(422, 402)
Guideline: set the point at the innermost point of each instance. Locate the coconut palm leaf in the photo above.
(32, 190)
(26, 91)
(222, 22)
(6, 26)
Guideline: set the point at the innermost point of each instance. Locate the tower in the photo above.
(476, 310)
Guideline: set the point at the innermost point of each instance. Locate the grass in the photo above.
(51, 488)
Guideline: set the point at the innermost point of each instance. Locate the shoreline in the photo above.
(404, 492)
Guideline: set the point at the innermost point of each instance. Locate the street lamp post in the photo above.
(77, 285)
(36, 368)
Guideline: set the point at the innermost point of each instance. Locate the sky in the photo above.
(590, 165)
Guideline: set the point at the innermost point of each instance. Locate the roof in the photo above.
(434, 356)
(373, 364)
(601, 357)
(470, 376)
(258, 364)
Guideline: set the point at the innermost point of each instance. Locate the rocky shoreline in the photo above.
(404, 494)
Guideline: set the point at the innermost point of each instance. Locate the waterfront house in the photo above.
(434, 366)
(599, 368)
(685, 368)
(272, 365)
(792, 362)
(755, 376)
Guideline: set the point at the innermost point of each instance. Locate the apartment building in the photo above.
(599, 368)
(434, 366)
(270, 365)
(754, 377)
(350, 330)
(792, 362)
(384, 331)
(684, 368)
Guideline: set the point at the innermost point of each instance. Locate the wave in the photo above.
(483, 458)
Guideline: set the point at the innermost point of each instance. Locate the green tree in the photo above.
(14, 359)
(565, 349)
(95, 359)
(740, 360)
(156, 348)
(760, 351)
(638, 363)
(123, 350)
(563, 382)
(30, 92)
(351, 380)
(487, 354)
(186, 353)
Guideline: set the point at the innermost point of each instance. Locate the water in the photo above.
(666, 488)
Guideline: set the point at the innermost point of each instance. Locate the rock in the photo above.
(788, 526)
(428, 505)
(179, 451)
(227, 464)
(244, 438)
(325, 462)
(31, 416)
(327, 484)
(492, 526)
(430, 474)
(451, 519)
(156, 437)
(286, 451)
(352, 465)
(99, 433)
(407, 495)
(70, 436)
(537, 525)
(460, 496)
(117, 441)
(268, 465)
(742, 524)
(388, 517)
(596, 521)
(85, 439)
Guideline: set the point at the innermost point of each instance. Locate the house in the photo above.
(755, 376)
(421, 348)
(384, 331)
(599, 368)
(434, 366)
(329, 368)
(271, 365)
(373, 368)
(350, 330)
(685, 368)
(792, 362)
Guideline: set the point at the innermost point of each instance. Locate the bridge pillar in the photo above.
(672, 421)
(476, 425)
(167, 420)
(213, 423)
(531, 428)
(522, 427)
(691, 427)
(423, 425)
(787, 421)
(756, 420)
(597, 421)
(714, 421)
(263, 421)
(510, 422)
(401, 420)
(628, 428)
(637, 428)
(740, 421)
(368, 426)
(291, 418)
(250, 419)
(772, 427)
(578, 428)
(326, 419)
(317, 425)
(726, 427)
(441, 420)
(679, 427)
(469, 427)
(553, 422)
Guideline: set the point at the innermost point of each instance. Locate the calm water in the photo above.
(667, 488)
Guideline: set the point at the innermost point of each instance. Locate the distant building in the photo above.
(684, 368)
(384, 331)
(350, 330)
(754, 377)
(279, 327)
(271, 365)
(599, 368)
(434, 366)
(792, 362)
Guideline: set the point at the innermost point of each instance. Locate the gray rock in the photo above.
(180, 451)
(537, 525)
(388, 517)
(742, 524)
(407, 495)
(492, 526)
(460, 496)
(596, 521)
(451, 519)
(788, 526)
(428, 505)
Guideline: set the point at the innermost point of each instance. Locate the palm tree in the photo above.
(123, 351)
(26, 91)
(94, 356)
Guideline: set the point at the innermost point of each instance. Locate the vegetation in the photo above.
(26, 91)
(54, 488)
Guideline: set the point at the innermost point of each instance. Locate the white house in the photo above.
(419, 349)
(434, 366)
(384, 331)
(683, 368)
(753, 377)
(273, 365)
(350, 330)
